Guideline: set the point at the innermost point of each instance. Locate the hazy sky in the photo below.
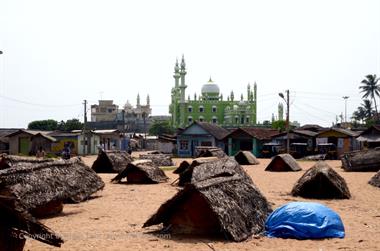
(58, 53)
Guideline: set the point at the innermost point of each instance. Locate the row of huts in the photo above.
(27, 142)
(255, 140)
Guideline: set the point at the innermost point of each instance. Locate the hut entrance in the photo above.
(194, 216)
(320, 187)
(246, 145)
(136, 176)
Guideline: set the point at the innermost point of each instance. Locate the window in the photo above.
(214, 121)
(190, 109)
(201, 119)
(236, 120)
(183, 145)
(247, 120)
(213, 108)
(201, 109)
(242, 120)
(109, 110)
(190, 119)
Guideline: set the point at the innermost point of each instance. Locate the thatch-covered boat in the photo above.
(246, 158)
(111, 161)
(321, 182)
(209, 151)
(195, 162)
(141, 172)
(229, 207)
(7, 161)
(362, 161)
(283, 163)
(41, 188)
(16, 224)
(375, 180)
(158, 159)
(207, 168)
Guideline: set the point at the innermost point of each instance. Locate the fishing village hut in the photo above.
(141, 172)
(42, 188)
(16, 224)
(375, 180)
(283, 163)
(195, 162)
(246, 158)
(182, 167)
(228, 206)
(207, 168)
(321, 182)
(207, 151)
(362, 161)
(7, 161)
(158, 159)
(111, 161)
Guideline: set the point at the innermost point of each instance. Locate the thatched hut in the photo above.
(158, 159)
(195, 162)
(362, 161)
(375, 180)
(321, 182)
(209, 151)
(16, 224)
(207, 168)
(182, 167)
(7, 161)
(246, 158)
(283, 163)
(111, 161)
(229, 207)
(42, 188)
(141, 172)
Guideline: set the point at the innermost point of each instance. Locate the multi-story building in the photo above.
(107, 115)
(210, 105)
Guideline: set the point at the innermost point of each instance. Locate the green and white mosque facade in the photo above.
(209, 106)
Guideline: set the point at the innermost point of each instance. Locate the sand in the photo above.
(113, 220)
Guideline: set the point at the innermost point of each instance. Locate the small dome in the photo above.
(210, 88)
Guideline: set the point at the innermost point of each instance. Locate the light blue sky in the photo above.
(58, 53)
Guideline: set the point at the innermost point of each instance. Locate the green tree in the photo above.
(72, 124)
(43, 125)
(367, 108)
(371, 89)
(279, 125)
(160, 127)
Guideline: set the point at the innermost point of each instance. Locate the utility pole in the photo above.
(85, 128)
(345, 107)
(287, 118)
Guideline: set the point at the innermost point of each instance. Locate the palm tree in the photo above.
(367, 108)
(370, 88)
(359, 115)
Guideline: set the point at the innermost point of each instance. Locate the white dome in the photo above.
(210, 87)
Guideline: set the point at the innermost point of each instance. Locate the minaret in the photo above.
(138, 100)
(241, 97)
(249, 92)
(183, 73)
(232, 96)
(280, 111)
(176, 74)
(147, 100)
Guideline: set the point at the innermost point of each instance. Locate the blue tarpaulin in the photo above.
(304, 220)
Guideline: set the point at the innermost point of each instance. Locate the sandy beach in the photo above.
(113, 220)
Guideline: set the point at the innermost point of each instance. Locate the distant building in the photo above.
(107, 115)
(106, 110)
(210, 106)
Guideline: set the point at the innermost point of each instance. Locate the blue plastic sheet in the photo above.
(304, 220)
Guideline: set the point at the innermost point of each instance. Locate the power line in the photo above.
(35, 104)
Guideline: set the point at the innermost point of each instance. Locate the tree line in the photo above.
(53, 125)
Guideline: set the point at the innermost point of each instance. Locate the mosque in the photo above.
(209, 106)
